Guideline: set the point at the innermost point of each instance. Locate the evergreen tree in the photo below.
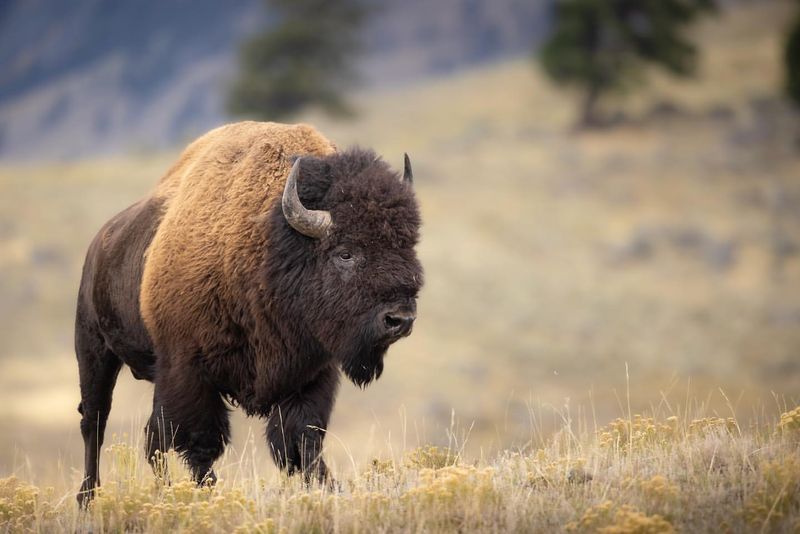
(602, 45)
(305, 58)
(792, 60)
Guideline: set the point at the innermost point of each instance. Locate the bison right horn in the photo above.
(313, 223)
(408, 175)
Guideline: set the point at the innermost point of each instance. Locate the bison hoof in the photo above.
(86, 493)
(209, 479)
(334, 486)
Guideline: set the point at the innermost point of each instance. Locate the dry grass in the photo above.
(635, 475)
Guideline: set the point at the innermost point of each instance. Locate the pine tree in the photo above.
(791, 61)
(305, 58)
(601, 46)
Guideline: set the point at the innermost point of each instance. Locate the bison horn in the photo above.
(408, 176)
(313, 223)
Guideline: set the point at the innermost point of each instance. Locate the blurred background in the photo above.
(610, 193)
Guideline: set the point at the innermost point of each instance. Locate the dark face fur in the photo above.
(353, 290)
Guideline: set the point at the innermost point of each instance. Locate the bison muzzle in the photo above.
(263, 265)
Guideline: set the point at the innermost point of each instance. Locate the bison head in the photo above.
(343, 257)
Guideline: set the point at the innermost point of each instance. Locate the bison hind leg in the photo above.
(98, 369)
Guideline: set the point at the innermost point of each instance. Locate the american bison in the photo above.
(263, 263)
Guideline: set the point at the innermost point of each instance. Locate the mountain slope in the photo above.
(96, 76)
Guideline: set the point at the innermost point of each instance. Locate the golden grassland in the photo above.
(635, 475)
(555, 262)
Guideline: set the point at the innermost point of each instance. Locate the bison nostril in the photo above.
(392, 322)
(398, 323)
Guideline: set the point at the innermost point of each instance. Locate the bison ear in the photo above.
(408, 176)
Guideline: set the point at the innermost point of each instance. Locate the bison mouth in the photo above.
(362, 360)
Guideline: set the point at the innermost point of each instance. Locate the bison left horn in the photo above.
(313, 223)
(408, 176)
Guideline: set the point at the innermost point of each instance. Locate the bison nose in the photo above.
(398, 323)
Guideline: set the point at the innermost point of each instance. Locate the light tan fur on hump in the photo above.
(212, 235)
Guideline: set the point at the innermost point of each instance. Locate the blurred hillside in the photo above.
(93, 77)
(669, 245)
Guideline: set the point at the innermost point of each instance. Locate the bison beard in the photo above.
(364, 360)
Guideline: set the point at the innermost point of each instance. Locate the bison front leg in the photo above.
(296, 426)
(190, 416)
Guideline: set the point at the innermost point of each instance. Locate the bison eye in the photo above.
(345, 256)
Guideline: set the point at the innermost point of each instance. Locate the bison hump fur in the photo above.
(209, 244)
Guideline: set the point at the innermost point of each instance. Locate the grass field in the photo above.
(635, 475)
(572, 278)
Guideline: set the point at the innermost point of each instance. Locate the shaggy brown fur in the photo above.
(208, 242)
(206, 289)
